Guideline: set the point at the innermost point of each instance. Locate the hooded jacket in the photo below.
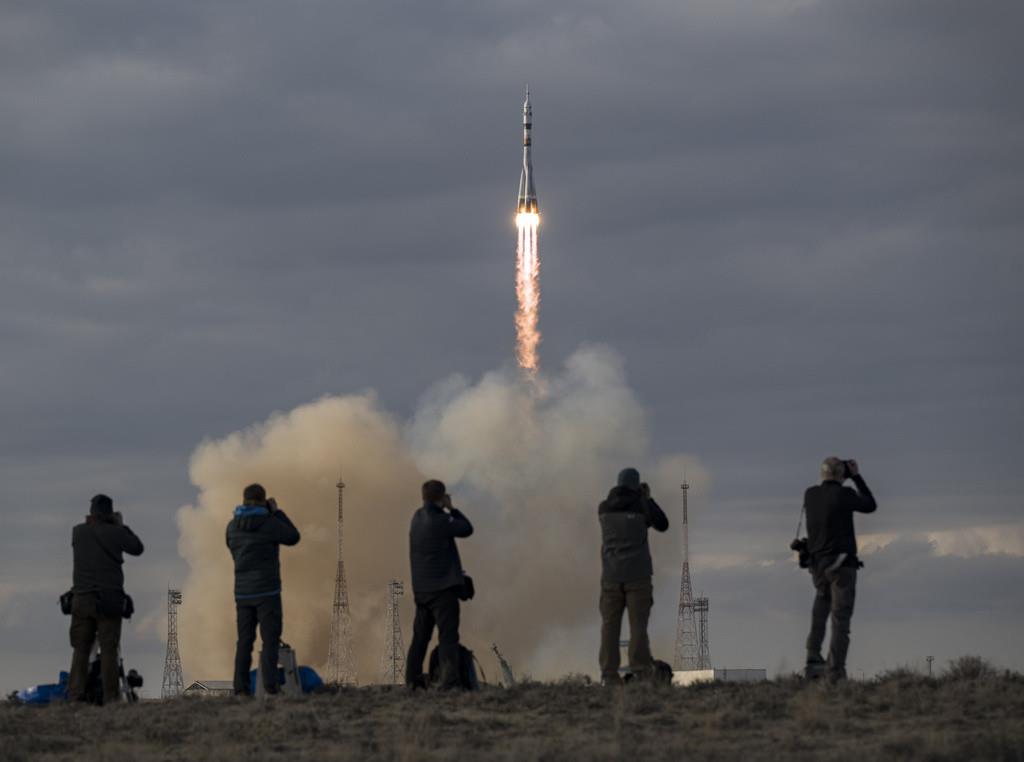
(254, 537)
(97, 546)
(625, 516)
(433, 557)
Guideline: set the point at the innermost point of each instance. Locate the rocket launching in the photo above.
(527, 193)
(527, 258)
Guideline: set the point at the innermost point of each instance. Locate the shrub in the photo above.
(970, 668)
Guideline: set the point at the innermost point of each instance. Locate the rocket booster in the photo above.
(527, 193)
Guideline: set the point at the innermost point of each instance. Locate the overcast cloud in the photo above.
(798, 223)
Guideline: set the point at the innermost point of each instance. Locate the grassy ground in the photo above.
(899, 716)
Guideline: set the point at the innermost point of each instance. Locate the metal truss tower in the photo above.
(700, 607)
(174, 682)
(392, 664)
(340, 666)
(686, 654)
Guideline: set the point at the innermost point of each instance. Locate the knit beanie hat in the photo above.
(101, 505)
(629, 477)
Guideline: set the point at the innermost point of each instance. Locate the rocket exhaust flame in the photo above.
(527, 258)
(527, 291)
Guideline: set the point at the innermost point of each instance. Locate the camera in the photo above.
(800, 546)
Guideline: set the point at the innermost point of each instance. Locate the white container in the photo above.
(686, 677)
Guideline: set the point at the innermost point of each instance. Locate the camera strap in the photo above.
(800, 523)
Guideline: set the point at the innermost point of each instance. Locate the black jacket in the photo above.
(625, 516)
(254, 536)
(433, 557)
(830, 507)
(97, 546)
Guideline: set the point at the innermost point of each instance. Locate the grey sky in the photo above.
(798, 222)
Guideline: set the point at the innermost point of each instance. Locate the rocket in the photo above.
(527, 193)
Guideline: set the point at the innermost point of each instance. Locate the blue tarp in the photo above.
(44, 694)
(308, 679)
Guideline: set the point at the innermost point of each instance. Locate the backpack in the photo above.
(468, 679)
(662, 672)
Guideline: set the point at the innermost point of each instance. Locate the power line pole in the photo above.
(393, 662)
(929, 659)
(340, 666)
(174, 682)
(685, 655)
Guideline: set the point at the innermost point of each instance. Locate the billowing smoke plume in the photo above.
(528, 469)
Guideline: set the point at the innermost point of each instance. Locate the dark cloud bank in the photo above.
(798, 224)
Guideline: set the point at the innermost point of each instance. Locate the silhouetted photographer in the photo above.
(626, 573)
(438, 584)
(830, 553)
(254, 536)
(97, 601)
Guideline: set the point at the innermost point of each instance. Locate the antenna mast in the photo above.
(700, 607)
(393, 662)
(340, 667)
(685, 655)
(174, 682)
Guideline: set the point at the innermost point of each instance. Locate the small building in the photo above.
(210, 688)
(686, 677)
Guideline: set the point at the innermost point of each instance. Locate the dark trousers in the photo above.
(636, 598)
(87, 626)
(834, 593)
(440, 609)
(266, 612)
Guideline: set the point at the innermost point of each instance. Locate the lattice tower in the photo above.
(341, 668)
(686, 654)
(174, 682)
(700, 607)
(392, 664)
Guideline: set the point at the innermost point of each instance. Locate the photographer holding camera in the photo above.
(626, 571)
(98, 600)
(438, 584)
(830, 553)
(254, 536)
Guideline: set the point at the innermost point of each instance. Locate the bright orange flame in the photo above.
(527, 291)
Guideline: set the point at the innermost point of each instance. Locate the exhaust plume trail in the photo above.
(527, 257)
(527, 292)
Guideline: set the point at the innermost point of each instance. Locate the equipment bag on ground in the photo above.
(468, 679)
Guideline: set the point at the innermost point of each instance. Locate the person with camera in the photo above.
(254, 536)
(98, 598)
(626, 572)
(438, 584)
(830, 553)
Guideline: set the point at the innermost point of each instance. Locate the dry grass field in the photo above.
(971, 713)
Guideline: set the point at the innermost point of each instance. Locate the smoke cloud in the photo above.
(527, 462)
